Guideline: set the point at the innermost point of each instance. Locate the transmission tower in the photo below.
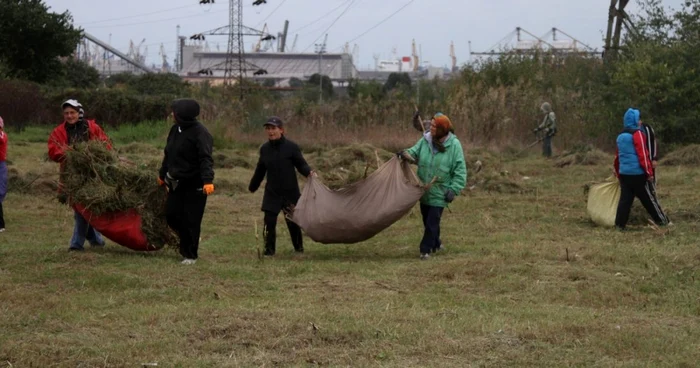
(235, 62)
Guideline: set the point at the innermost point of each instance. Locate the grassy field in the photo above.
(526, 280)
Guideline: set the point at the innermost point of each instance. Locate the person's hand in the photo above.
(535, 130)
(416, 114)
(313, 173)
(160, 182)
(650, 178)
(208, 189)
(449, 196)
(653, 164)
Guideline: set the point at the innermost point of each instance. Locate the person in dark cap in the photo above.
(279, 157)
(188, 173)
(75, 129)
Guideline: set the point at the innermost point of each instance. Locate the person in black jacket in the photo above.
(188, 172)
(279, 157)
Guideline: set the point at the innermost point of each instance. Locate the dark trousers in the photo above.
(638, 186)
(2, 217)
(270, 233)
(431, 223)
(547, 146)
(184, 212)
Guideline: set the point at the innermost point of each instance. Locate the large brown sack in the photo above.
(361, 210)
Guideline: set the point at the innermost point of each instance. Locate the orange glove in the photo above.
(208, 189)
(160, 182)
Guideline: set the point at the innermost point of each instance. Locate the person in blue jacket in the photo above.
(634, 169)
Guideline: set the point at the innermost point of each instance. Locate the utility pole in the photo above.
(320, 50)
(234, 56)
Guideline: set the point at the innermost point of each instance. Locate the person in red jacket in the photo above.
(3, 172)
(75, 129)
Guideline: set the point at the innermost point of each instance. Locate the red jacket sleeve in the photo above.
(616, 164)
(97, 133)
(642, 153)
(58, 141)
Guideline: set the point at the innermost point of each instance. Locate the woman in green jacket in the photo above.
(439, 156)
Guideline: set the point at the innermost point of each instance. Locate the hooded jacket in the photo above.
(632, 157)
(449, 168)
(188, 152)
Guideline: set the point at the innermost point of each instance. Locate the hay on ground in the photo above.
(687, 156)
(94, 177)
(499, 182)
(583, 155)
(237, 159)
(349, 164)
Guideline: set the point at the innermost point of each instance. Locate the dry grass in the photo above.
(526, 280)
(688, 156)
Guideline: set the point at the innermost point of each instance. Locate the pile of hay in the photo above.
(583, 155)
(233, 160)
(498, 181)
(345, 165)
(687, 156)
(32, 182)
(96, 178)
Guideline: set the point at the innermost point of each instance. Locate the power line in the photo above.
(329, 27)
(319, 18)
(380, 23)
(137, 15)
(159, 20)
(269, 15)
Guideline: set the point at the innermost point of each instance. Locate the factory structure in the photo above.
(272, 61)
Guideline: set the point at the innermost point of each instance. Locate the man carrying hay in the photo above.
(440, 158)
(634, 169)
(188, 172)
(279, 157)
(73, 130)
(549, 125)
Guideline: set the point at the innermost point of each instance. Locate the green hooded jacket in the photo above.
(449, 167)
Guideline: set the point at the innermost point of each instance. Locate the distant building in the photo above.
(280, 66)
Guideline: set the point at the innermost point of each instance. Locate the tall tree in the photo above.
(32, 39)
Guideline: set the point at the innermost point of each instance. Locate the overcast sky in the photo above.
(432, 23)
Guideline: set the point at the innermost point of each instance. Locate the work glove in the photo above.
(416, 115)
(450, 196)
(160, 182)
(208, 189)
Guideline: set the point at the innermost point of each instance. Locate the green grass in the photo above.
(502, 294)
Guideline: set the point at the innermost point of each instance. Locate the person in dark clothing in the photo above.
(634, 169)
(188, 172)
(279, 158)
(650, 142)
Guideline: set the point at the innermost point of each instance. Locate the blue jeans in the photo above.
(81, 231)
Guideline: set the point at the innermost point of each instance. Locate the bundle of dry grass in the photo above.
(498, 181)
(32, 182)
(688, 155)
(230, 161)
(96, 178)
(583, 155)
(345, 165)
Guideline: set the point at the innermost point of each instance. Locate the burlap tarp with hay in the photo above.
(117, 198)
(602, 202)
(361, 210)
